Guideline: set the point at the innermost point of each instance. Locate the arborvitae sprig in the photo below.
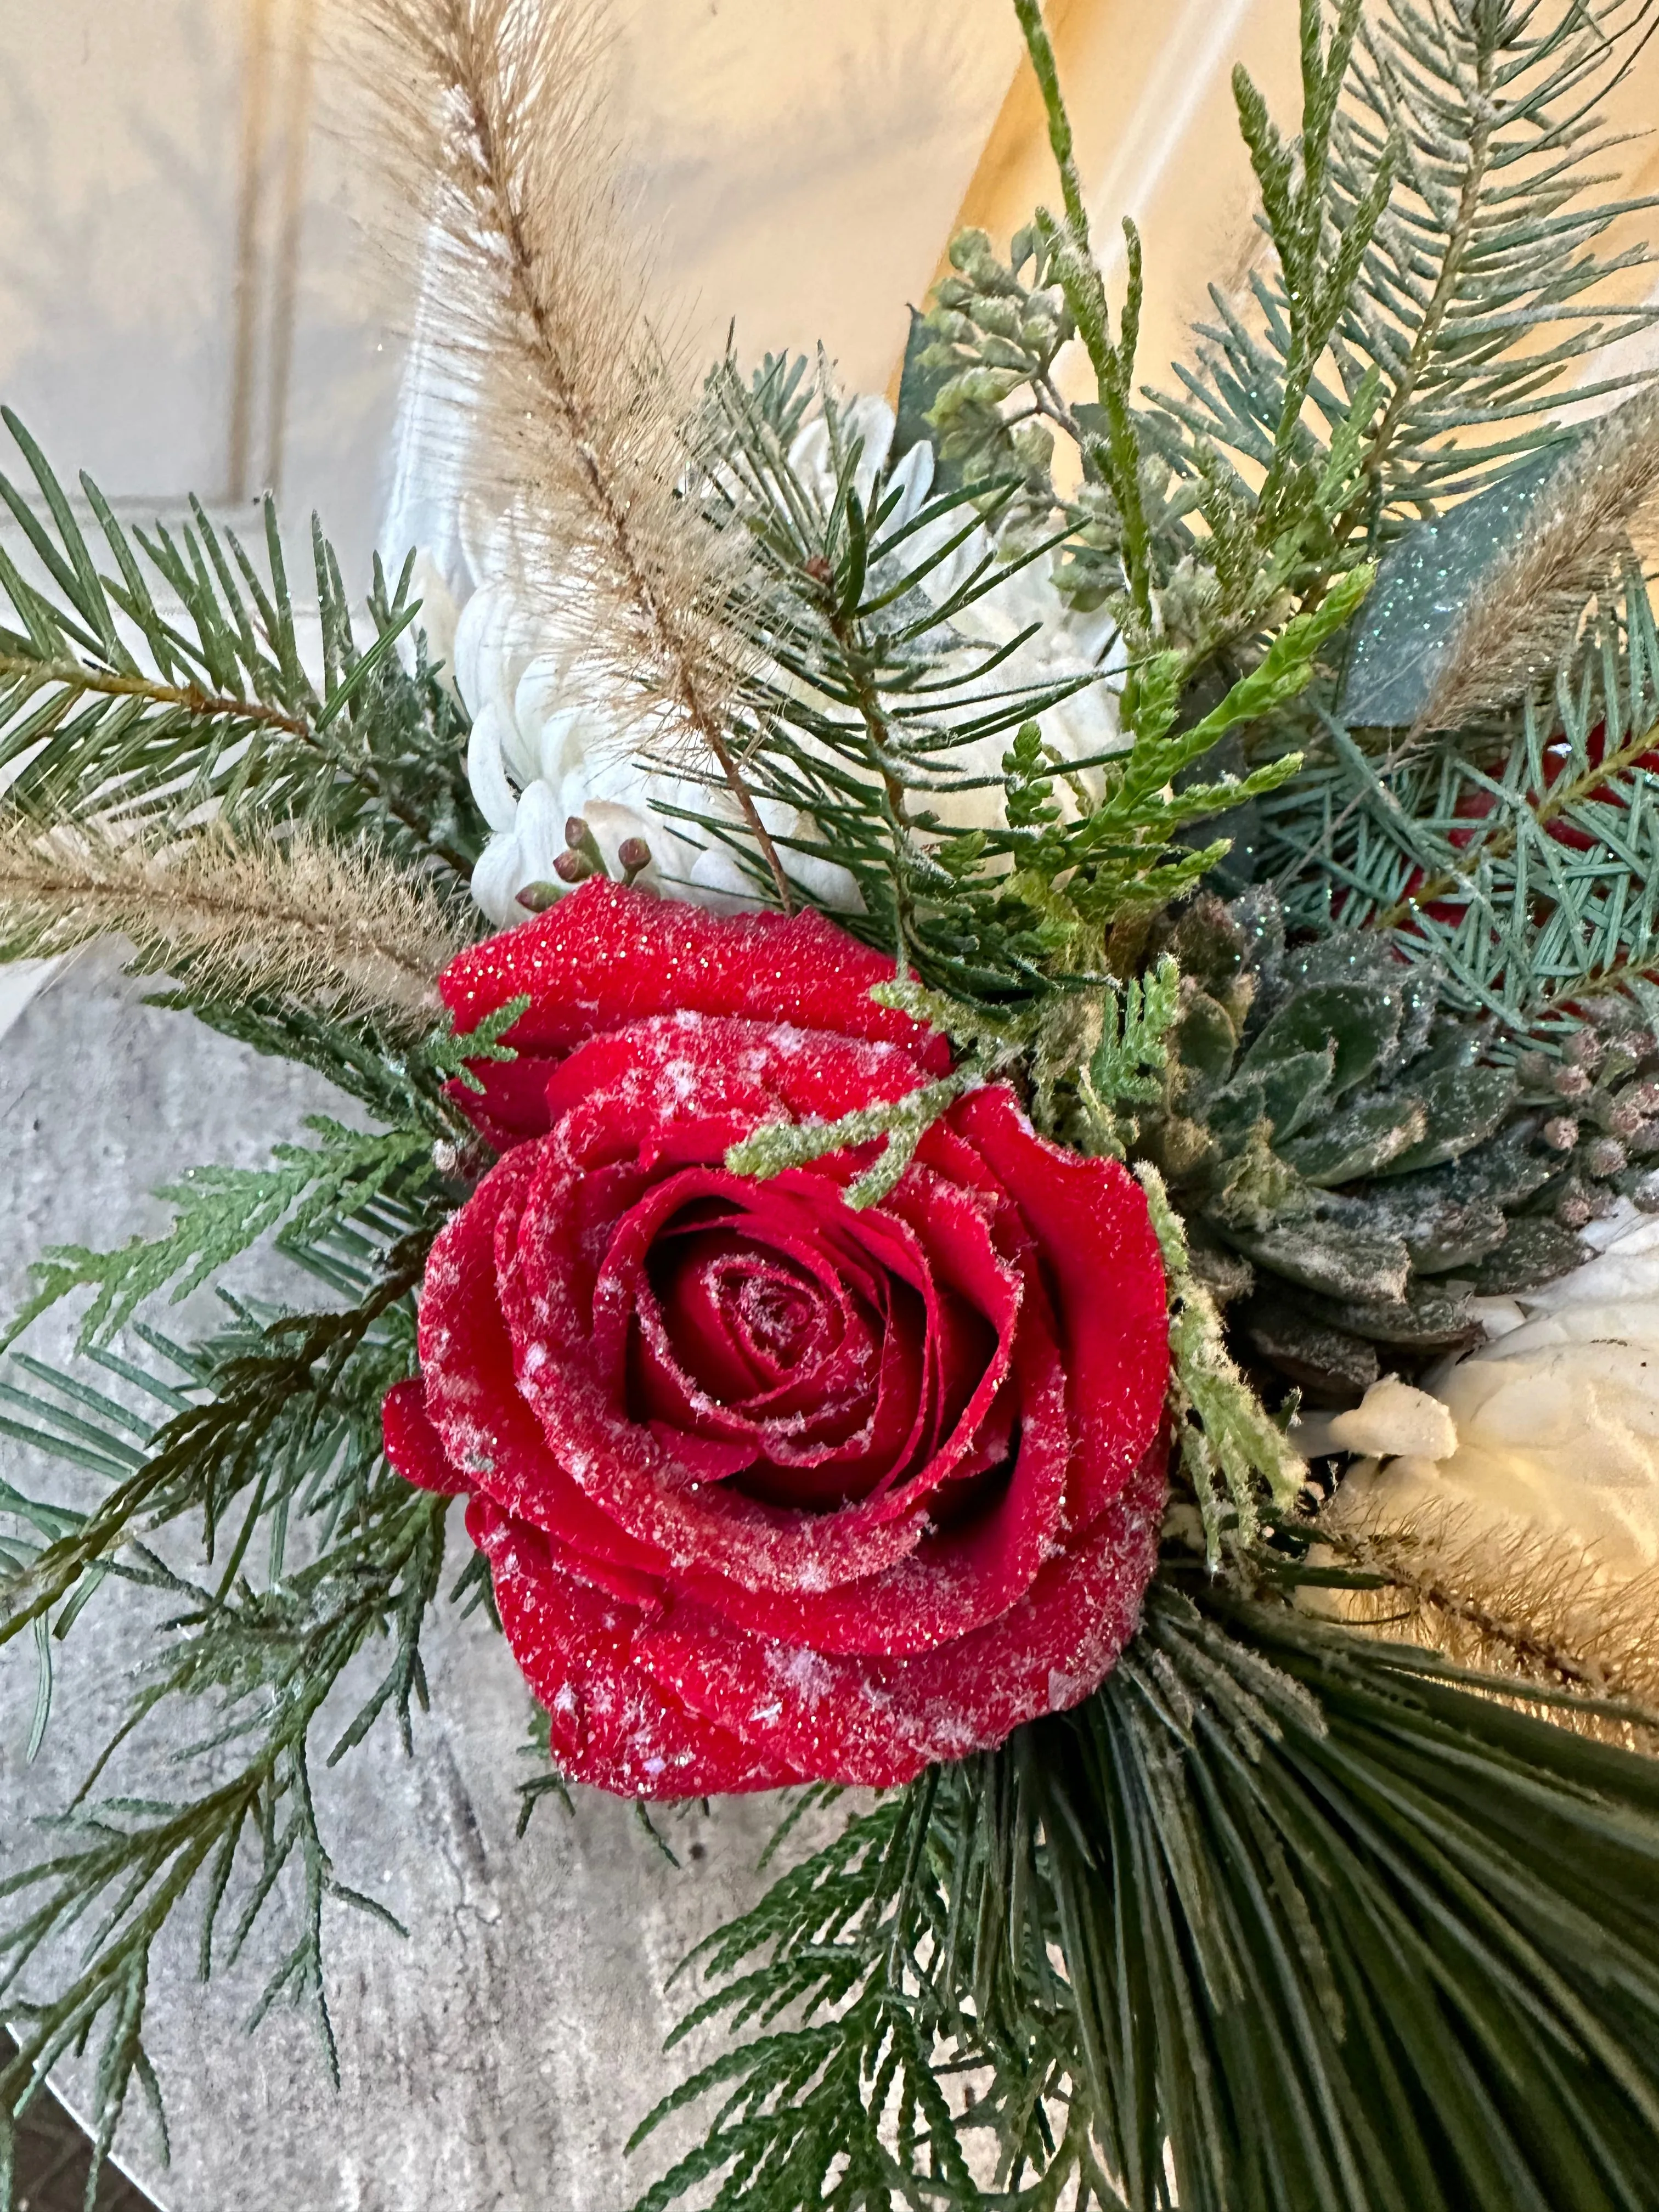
(220, 1211)
(1481, 284)
(867, 712)
(1131, 543)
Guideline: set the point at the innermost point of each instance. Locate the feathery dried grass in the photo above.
(1531, 1603)
(1521, 622)
(296, 918)
(498, 150)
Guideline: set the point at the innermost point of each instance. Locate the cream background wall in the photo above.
(187, 302)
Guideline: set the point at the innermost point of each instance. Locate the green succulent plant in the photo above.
(1353, 1168)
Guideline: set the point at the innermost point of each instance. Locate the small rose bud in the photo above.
(537, 897)
(633, 857)
(1570, 1083)
(576, 833)
(1574, 1210)
(574, 868)
(1624, 1117)
(1562, 1133)
(1584, 1048)
(1606, 1156)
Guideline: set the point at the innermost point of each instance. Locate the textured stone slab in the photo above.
(500, 2056)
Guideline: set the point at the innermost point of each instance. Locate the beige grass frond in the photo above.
(1507, 1598)
(516, 223)
(294, 917)
(1519, 623)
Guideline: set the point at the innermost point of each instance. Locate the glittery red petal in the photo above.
(1089, 1220)
(609, 1723)
(878, 1722)
(606, 956)
(414, 1446)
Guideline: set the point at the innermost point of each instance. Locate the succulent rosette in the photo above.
(774, 1488)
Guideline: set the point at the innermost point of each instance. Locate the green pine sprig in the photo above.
(1519, 860)
(113, 714)
(1277, 1917)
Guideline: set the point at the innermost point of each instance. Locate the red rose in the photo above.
(773, 1490)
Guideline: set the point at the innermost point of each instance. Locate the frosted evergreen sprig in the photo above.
(1520, 859)
(1127, 1930)
(900, 1125)
(855, 731)
(1483, 284)
(219, 1213)
(1232, 1450)
(275, 1660)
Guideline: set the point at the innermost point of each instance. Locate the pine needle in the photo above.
(295, 918)
(1503, 1598)
(1521, 622)
(497, 144)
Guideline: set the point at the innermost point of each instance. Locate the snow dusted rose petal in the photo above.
(773, 1490)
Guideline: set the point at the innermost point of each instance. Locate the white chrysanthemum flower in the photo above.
(1555, 1418)
(542, 752)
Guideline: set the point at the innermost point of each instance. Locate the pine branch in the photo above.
(867, 707)
(1520, 862)
(272, 1662)
(1168, 533)
(226, 724)
(283, 1414)
(1481, 286)
(221, 1211)
(1280, 1917)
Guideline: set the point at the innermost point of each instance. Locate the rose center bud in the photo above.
(774, 1318)
(811, 1376)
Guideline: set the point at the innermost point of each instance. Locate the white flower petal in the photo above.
(439, 615)
(491, 792)
(492, 648)
(867, 419)
(536, 700)
(577, 742)
(720, 882)
(497, 878)
(540, 830)
(808, 455)
(473, 632)
(870, 418)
